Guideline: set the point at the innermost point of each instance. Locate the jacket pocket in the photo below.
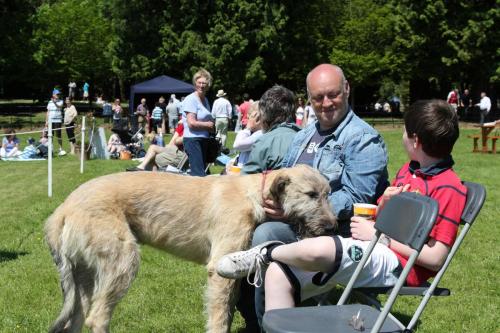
(331, 165)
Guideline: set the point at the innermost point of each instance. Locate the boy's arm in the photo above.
(433, 253)
(432, 256)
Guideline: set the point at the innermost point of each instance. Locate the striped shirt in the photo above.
(157, 112)
(441, 183)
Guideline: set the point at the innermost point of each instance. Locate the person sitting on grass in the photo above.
(10, 144)
(158, 156)
(431, 130)
(115, 145)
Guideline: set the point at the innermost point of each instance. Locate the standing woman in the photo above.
(117, 114)
(69, 122)
(199, 122)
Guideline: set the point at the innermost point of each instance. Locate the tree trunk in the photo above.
(351, 94)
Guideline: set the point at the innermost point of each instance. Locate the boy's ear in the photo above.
(416, 142)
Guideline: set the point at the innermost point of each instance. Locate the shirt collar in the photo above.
(434, 169)
(285, 124)
(336, 130)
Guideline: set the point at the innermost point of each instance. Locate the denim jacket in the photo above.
(353, 159)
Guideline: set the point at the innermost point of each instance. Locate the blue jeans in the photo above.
(269, 231)
(266, 232)
(195, 149)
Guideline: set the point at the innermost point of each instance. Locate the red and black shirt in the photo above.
(441, 183)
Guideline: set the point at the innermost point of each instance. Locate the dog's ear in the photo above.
(278, 187)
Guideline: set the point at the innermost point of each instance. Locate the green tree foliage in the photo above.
(70, 40)
(364, 45)
(449, 41)
(16, 63)
(249, 45)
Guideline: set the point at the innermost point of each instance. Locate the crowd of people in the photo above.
(462, 104)
(276, 132)
(353, 157)
(280, 130)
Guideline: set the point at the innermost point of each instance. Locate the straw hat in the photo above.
(221, 93)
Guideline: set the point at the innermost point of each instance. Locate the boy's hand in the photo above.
(392, 191)
(362, 228)
(273, 210)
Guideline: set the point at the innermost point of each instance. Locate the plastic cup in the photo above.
(368, 211)
(234, 170)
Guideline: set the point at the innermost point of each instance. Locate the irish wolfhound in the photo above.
(94, 235)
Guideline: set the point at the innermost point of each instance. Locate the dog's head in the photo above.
(303, 194)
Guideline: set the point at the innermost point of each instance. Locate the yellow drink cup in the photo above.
(368, 211)
(234, 170)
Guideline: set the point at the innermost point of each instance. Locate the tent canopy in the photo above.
(162, 84)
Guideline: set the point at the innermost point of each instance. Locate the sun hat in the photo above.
(221, 93)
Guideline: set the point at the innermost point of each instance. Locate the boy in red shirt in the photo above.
(309, 267)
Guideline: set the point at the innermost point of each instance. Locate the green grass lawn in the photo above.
(167, 295)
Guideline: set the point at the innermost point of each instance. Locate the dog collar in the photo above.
(263, 183)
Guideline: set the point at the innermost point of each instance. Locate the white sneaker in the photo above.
(243, 263)
(61, 152)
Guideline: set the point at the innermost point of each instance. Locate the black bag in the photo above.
(213, 149)
(42, 151)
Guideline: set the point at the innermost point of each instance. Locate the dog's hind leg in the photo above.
(117, 263)
(70, 319)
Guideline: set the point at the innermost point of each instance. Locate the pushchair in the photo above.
(134, 142)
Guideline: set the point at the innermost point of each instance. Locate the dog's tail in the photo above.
(71, 317)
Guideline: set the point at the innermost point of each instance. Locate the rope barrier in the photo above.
(54, 129)
(50, 147)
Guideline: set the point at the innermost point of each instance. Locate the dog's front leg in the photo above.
(221, 298)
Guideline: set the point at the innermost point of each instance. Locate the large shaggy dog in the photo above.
(94, 235)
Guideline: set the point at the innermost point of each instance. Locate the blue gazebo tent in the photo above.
(162, 84)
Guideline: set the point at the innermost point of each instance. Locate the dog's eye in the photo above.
(313, 195)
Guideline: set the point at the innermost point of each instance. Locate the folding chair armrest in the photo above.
(420, 291)
(405, 291)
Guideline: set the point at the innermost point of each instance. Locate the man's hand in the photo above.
(362, 228)
(273, 210)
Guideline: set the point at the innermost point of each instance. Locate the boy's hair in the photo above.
(436, 125)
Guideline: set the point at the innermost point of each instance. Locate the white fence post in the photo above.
(82, 145)
(49, 181)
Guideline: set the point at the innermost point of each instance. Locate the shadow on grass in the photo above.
(10, 255)
(18, 123)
